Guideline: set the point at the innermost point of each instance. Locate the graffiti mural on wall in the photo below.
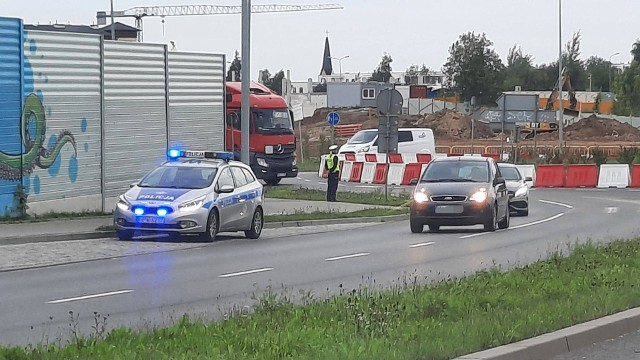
(14, 166)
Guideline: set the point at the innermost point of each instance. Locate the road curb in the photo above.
(565, 340)
(92, 235)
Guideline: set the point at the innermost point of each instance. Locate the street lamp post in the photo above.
(589, 82)
(340, 63)
(612, 55)
(113, 26)
(560, 100)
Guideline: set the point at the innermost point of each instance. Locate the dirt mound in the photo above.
(595, 128)
(451, 125)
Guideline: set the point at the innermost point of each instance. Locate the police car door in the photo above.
(243, 195)
(227, 204)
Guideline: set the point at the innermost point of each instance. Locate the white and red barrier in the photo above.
(401, 169)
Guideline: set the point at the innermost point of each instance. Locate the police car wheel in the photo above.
(257, 223)
(212, 227)
(124, 234)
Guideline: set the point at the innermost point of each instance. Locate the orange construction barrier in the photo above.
(395, 158)
(380, 175)
(411, 171)
(635, 175)
(582, 175)
(423, 158)
(356, 172)
(370, 157)
(552, 175)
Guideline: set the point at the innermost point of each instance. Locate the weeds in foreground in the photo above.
(442, 320)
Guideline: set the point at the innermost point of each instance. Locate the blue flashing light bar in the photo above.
(174, 154)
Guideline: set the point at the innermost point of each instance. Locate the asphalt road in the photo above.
(149, 290)
(623, 348)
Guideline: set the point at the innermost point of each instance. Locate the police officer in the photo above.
(331, 165)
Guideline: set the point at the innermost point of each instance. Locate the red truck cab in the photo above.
(272, 143)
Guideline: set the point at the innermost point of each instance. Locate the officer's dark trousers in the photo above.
(332, 186)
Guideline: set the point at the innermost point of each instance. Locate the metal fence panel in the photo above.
(11, 105)
(196, 101)
(135, 118)
(62, 98)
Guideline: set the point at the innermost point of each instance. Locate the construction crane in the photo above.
(188, 10)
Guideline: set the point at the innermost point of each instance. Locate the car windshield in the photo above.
(179, 177)
(272, 121)
(363, 137)
(456, 171)
(510, 173)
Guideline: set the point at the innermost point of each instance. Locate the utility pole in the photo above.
(610, 65)
(560, 98)
(246, 74)
(113, 25)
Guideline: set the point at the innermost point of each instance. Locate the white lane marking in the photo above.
(517, 226)
(556, 203)
(611, 210)
(299, 178)
(322, 183)
(85, 297)
(307, 180)
(248, 272)
(422, 244)
(346, 256)
(367, 186)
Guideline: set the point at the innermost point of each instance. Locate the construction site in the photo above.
(453, 132)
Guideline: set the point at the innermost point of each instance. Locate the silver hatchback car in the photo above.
(194, 192)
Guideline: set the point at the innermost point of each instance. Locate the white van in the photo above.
(410, 140)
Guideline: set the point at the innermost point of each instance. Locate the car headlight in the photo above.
(192, 204)
(294, 162)
(123, 204)
(262, 162)
(365, 149)
(479, 196)
(521, 192)
(420, 197)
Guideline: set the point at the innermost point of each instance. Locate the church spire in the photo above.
(327, 68)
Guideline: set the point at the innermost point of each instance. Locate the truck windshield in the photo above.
(363, 137)
(272, 121)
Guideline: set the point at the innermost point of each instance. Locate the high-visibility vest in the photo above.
(331, 160)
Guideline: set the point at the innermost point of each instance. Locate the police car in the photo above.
(194, 192)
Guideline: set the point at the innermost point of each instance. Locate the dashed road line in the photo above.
(86, 297)
(346, 257)
(422, 244)
(556, 203)
(247, 272)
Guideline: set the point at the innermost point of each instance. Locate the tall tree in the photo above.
(474, 68)
(627, 87)
(235, 69)
(273, 82)
(635, 51)
(518, 71)
(412, 74)
(598, 69)
(575, 66)
(383, 72)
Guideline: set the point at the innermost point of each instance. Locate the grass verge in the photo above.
(309, 165)
(409, 321)
(52, 216)
(369, 198)
(317, 215)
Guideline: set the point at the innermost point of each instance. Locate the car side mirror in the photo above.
(132, 185)
(413, 181)
(528, 178)
(499, 181)
(225, 189)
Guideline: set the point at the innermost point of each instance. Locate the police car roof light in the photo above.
(174, 154)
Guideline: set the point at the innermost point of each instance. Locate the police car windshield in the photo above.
(272, 121)
(363, 137)
(179, 177)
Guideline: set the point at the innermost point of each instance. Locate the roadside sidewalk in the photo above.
(86, 228)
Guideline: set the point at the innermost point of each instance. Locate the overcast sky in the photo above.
(412, 31)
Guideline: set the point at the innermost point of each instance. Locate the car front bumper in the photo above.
(189, 222)
(457, 213)
(520, 203)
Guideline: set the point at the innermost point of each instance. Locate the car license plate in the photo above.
(282, 174)
(150, 220)
(449, 209)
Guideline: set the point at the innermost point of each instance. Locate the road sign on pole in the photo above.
(333, 118)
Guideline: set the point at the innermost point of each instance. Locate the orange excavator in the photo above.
(544, 127)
